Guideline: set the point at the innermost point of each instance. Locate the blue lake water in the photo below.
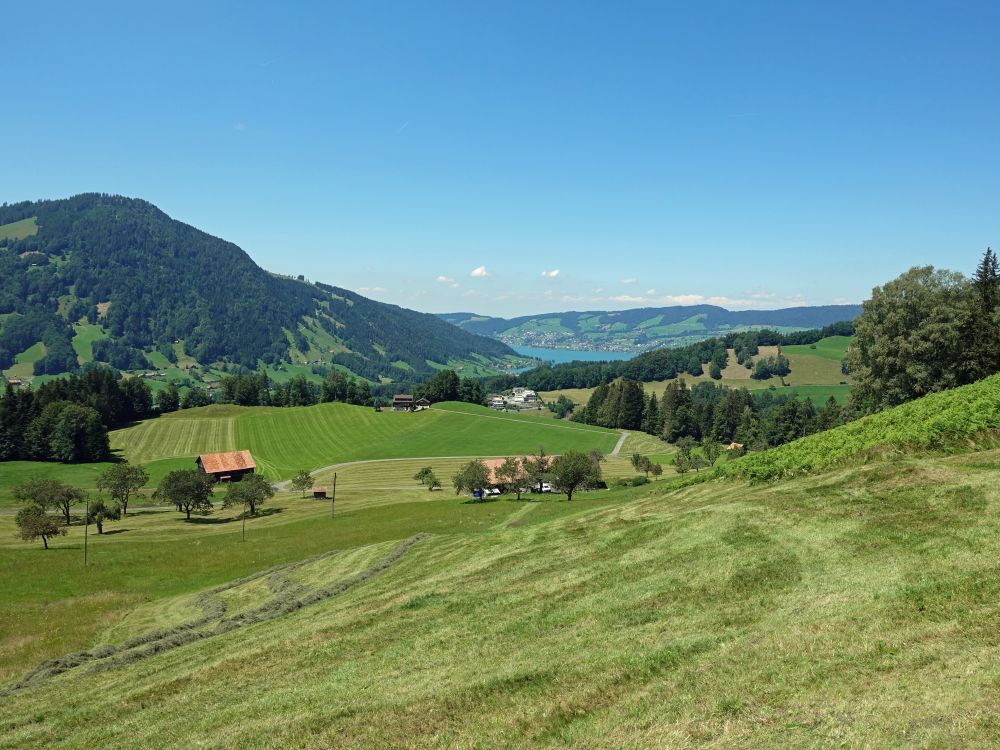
(568, 355)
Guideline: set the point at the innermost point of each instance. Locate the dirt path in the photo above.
(621, 442)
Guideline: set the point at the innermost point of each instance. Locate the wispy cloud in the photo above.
(479, 273)
(403, 127)
(372, 290)
(630, 281)
(444, 279)
(551, 274)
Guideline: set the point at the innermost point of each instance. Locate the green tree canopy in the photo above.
(303, 481)
(188, 490)
(573, 470)
(471, 477)
(100, 512)
(122, 482)
(253, 490)
(34, 523)
(909, 338)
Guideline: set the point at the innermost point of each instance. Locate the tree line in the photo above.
(927, 330)
(712, 412)
(67, 419)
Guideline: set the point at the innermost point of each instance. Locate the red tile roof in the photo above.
(214, 463)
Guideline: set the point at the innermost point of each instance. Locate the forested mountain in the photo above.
(154, 283)
(645, 328)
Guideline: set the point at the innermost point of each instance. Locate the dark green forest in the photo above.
(167, 281)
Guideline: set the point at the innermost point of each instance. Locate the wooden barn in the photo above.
(319, 492)
(228, 466)
(402, 402)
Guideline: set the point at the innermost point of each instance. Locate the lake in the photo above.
(568, 355)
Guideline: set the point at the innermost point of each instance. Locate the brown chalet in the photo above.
(402, 402)
(229, 466)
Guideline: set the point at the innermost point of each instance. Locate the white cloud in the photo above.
(470, 293)
(372, 289)
(628, 298)
(551, 274)
(683, 299)
(444, 279)
(630, 281)
(456, 285)
(479, 273)
(650, 292)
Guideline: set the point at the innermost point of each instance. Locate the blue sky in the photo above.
(446, 156)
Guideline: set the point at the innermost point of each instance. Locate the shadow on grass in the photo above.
(112, 532)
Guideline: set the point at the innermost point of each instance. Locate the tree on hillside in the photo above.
(99, 512)
(49, 493)
(252, 491)
(471, 477)
(169, 398)
(983, 331)
(710, 450)
(642, 463)
(511, 475)
(303, 481)
(122, 481)
(34, 523)
(572, 470)
(188, 490)
(537, 468)
(909, 338)
(427, 477)
(195, 397)
(714, 371)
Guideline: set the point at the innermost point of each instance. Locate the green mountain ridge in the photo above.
(642, 329)
(152, 282)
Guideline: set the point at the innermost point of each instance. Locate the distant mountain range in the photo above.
(644, 328)
(113, 279)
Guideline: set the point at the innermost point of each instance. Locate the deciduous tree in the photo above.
(572, 470)
(99, 512)
(122, 482)
(34, 523)
(253, 490)
(471, 477)
(188, 490)
(303, 481)
(511, 475)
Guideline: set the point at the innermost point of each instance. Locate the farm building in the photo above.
(402, 402)
(421, 403)
(319, 493)
(228, 466)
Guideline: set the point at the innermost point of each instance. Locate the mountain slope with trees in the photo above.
(646, 327)
(152, 281)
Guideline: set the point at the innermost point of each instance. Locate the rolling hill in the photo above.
(851, 606)
(645, 328)
(118, 280)
(284, 440)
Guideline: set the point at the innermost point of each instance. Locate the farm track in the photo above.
(287, 597)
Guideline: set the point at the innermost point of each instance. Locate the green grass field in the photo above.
(285, 440)
(18, 230)
(849, 609)
(83, 340)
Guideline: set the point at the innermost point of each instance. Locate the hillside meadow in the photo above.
(851, 608)
(284, 440)
(815, 374)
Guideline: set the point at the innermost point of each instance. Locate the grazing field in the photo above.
(284, 440)
(831, 347)
(815, 373)
(18, 230)
(83, 340)
(853, 607)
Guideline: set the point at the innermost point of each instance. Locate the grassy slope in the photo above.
(853, 609)
(285, 440)
(18, 230)
(85, 334)
(957, 418)
(815, 374)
